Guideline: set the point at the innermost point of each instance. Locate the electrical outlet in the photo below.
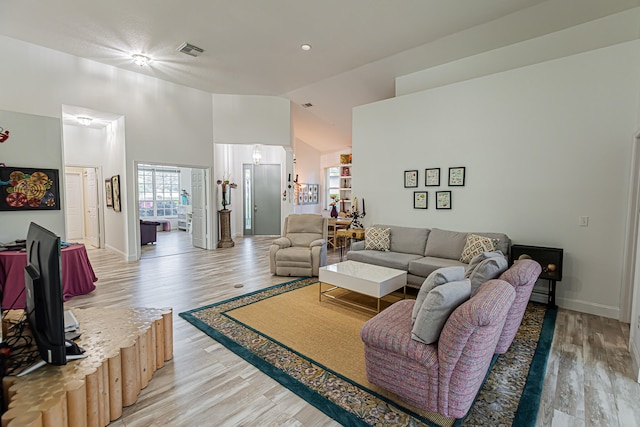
(583, 221)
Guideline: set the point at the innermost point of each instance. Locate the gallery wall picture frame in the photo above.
(411, 179)
(457, 176)
(115, 186)
(29, 189)
(420, 200)
(432, 177)
(108, 192)
(443, 199)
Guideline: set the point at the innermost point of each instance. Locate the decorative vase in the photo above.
(334, 212)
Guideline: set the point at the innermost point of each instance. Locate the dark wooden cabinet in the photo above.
(550, 259)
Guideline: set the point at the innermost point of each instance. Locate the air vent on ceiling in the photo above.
(307, 105)
(190, 49)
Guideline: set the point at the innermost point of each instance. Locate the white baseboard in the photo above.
(119, 252)
(589, 308)
(635, 358)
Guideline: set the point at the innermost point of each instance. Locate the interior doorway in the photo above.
(175, 197)
(82, 207)
(261, 199)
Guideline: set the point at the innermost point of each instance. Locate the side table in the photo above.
(550, 259)
(351, 234)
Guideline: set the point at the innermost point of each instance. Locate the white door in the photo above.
(91, 225)
(74, 203)
(199, 206)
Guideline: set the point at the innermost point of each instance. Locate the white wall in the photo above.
(251, 119)
(164, 122)
(542, 144)
(34, 142)
(308, 169)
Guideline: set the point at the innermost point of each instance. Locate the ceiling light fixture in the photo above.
(84, 121)
(305, 46)
(141, 60)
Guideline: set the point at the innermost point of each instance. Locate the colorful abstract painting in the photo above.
(23, 189)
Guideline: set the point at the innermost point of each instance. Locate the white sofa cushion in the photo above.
(437, 278)
(436, 309)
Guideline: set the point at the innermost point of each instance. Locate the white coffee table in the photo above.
(367, 279)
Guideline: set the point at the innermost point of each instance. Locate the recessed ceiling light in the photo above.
(141, 60)
(84, 121)
(305, 46)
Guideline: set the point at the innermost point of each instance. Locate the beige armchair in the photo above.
(302, 249)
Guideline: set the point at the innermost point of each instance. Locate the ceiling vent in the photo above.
(190, 49)
(307, 105)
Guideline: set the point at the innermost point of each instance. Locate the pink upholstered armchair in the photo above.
(443, 377)
(522, 276)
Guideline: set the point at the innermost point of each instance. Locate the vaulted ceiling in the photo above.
(253, 46)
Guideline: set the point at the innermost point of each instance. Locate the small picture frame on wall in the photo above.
(456, 176)
(411, 179)
(420, 200)
(115, 187)
(432, 177)
(108, 192)
(443, 199)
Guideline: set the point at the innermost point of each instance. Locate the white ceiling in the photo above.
(253, 46)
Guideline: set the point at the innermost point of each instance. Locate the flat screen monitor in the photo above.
(44, 301)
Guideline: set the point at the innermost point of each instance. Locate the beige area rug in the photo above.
(326, 331)
(314, 349)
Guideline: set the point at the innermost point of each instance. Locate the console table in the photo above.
(348, 233)
(550, 259)
(124, 347)
(77, 275)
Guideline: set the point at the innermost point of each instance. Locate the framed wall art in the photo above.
(420, 200)
(456, 176)
(443, 199)
(108, 192)
(432, 177)
(410, 179)
(29, 189)
(115, 188)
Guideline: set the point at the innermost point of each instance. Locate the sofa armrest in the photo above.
(467, 344)
(318, 242)
(282, 242)
(357, 246)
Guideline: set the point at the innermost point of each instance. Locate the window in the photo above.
(158, 191)
(333, 185)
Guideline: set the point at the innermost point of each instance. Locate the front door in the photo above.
(261, 199)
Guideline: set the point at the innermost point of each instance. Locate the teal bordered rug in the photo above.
(510, 395)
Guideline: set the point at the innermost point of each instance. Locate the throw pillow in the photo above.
(490, 268)
(377, 239)
(437, 308)
(437, 278)
(476, 245)
(478, 259)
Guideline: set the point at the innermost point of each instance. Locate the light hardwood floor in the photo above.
(588, 381)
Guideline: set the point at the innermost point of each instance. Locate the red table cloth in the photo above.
(77, 275)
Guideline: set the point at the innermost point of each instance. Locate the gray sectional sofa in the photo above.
(420, 251)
